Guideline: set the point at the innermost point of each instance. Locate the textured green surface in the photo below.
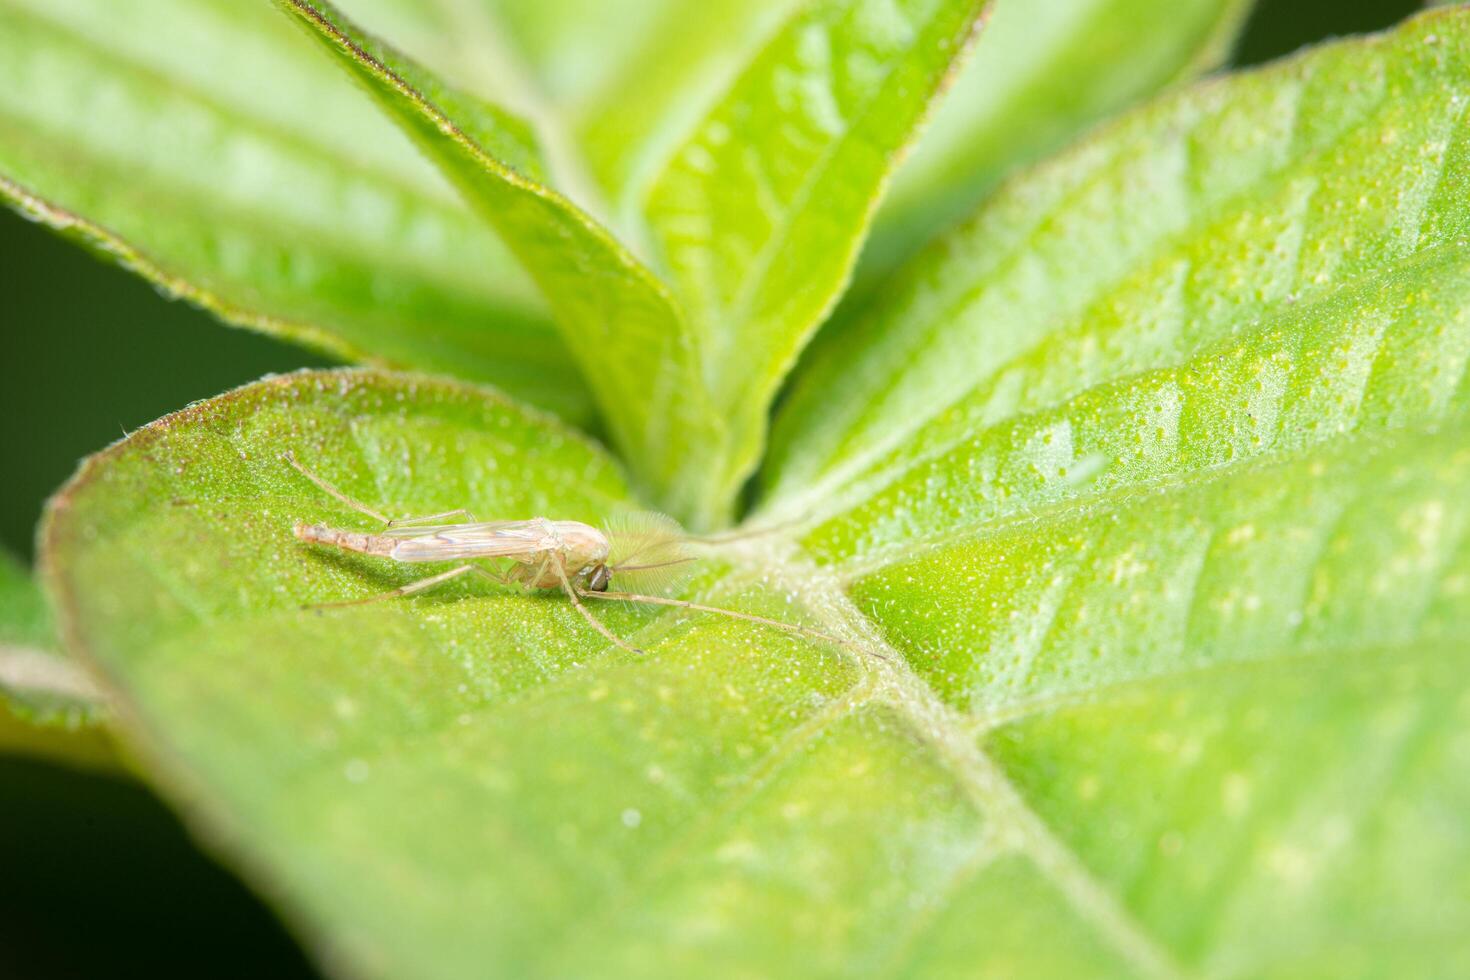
(24, 619)
(204, 145)
(37, 683)
(620, 322)
(759, 214)
(1143, 511)
(1235, 219)
(1042, 71)
(757, 217)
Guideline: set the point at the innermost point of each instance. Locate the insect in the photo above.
(577, 558)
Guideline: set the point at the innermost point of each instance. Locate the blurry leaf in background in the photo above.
(1043, 71)
(36, 680)
(48, 705)
(24, 619)
(202, 143)
(615, 82)
(759, 214)
(1231, 215)
(619, 320)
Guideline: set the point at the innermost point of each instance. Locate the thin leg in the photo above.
(409, 589)
(748, 617)
(363, 508)
(459, 512)
(566, 584)
(356, 505)
(528, 583)
(499, 578)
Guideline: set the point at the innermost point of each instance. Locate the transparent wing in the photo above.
(648, 552)
(487, 539)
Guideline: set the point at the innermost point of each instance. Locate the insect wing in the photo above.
(490, 539)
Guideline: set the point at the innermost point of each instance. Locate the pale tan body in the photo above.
(544, 554)
(542, 550)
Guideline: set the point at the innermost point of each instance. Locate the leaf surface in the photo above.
(1152, 649)
(48, 706)
(759, 214)
(1211, 220)
(1041, 73)
(37, 683)
(620, 322)
(202, 145)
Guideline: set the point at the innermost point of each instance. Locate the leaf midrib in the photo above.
(1272, 178)
(755, 278)
(943, 730)
(1085, 501)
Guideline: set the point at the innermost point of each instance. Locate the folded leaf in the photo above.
(37, 683)
(760, 213)
(201, 144)
(49, 707)
(1210, 220)
(1042, 72)
(619, 321)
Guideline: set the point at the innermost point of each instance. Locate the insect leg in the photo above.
(404, 590)
(332, 491)
(499, 578)
(566, 584)
(363, 508)
(459, 512)
(733, 614)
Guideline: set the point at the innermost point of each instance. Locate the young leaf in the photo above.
(760, 213)
(627, 80)
(619, 321)
(669, 67)
(201, 144)
(48, 706)
(1041, 72)
(37, 683)
(1202, 727)
(1211, 220)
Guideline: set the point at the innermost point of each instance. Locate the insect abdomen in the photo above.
(367, 544)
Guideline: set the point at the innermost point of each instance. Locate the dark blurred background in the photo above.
(99, 879)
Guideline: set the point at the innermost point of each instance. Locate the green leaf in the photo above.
(619, 321)
(24, 618)
(472, 781)
(1238, 219)
(37, 684)
(1041, 73)
(760, 213)
(667, 70)
(48, 706)
(1150, 565)
(200, 143)
(1238, 701)
(612, 89)
(307, 723)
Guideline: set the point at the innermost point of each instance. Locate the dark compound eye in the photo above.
(600, 579)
